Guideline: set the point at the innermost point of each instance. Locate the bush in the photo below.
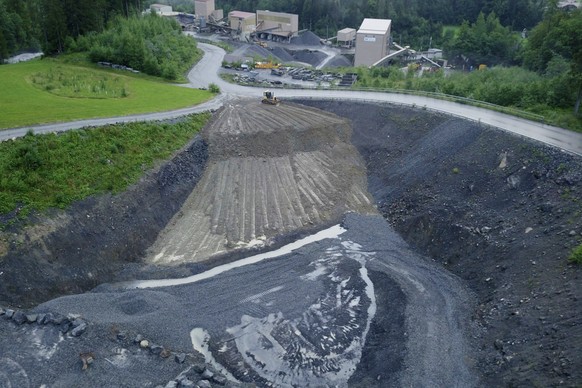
(576, 255)
(214, 88)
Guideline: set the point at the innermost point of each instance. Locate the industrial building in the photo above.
(346, 37)
(205, 10)
(372, 41)
(243, 22)
(273, 25)
(161, 9)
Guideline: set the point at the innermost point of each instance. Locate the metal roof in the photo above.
(346, 30)
(241, 14)
(375, 26)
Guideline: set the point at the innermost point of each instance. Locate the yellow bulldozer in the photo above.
(269, 98)
(267, 65)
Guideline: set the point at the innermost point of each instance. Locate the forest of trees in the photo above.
(46, 24)
(152, 44)
(555, 49)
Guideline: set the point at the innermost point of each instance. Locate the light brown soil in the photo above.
(272, 170)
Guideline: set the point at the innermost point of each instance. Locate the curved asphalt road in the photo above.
(206, 72)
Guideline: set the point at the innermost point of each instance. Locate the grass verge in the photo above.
(52, 171)
(49, 91)
(576, 255)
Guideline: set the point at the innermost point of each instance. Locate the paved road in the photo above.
(206, 72)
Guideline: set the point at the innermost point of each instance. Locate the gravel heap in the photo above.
(309, 56)
(339, 61)
(307, 38)
(282, 54)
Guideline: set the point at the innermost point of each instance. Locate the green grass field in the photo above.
(54, 170)
(49, 91)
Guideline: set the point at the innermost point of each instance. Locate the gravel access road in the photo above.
(206, 72)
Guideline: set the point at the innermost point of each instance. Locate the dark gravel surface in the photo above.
(313, 303)
(306, 38)
(499, 212)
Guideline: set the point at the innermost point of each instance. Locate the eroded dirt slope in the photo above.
(272, 170)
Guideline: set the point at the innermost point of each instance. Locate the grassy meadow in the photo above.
(51, 90)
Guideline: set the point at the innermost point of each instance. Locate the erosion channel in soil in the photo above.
(450, 270)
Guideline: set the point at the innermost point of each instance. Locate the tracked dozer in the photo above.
(269, 98)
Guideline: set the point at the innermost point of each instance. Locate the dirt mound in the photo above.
(279, 169)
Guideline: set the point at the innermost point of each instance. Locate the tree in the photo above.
(558, 37)
(54, 26)
(485, 41)
(3, 47)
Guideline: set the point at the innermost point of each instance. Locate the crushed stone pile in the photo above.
(307, 38)
(254, 51)
(339, 61)
(309, 56)
(282, 54)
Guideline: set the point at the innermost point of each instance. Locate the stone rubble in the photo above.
(75, 326)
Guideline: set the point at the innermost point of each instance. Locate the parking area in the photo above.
(286, 76)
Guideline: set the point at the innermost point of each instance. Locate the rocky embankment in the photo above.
(96, 239)
(501, 212)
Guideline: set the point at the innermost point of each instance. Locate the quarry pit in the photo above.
(452, 268)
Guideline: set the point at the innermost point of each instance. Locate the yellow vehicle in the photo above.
(267, 65)
(269, 98)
